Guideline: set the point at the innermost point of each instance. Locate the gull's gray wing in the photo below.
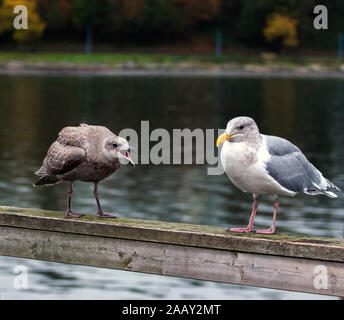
(63, 158)
(66, 153)
(59, 160)
(291, 169)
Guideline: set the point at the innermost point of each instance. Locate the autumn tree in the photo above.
(6, 17)
(198, 10)
(281, 28)
(152, 18)
(35, 24)
(129, 9)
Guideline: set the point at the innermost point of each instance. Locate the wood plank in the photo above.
(270, 271)
(287, 245)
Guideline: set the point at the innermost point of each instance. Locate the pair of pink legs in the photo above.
(249, 228)
(100, 213)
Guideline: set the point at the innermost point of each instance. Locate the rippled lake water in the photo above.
(33, 108)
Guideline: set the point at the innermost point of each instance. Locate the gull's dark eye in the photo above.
(241, 127)
(115, 145)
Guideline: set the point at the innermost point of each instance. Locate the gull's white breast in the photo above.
(245, 166)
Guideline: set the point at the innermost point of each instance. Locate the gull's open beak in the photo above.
(128, 157)
(222, 138)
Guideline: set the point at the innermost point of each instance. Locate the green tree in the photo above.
(55, 13)
(156, 18)
(90, 13)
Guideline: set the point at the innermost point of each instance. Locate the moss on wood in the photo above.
(177, 233)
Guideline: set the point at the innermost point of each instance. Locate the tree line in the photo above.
(271, 24)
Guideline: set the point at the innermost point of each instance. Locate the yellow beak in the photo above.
(222, 138)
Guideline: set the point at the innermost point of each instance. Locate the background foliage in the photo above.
(270, 24)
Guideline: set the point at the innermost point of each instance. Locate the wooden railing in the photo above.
(281, 261)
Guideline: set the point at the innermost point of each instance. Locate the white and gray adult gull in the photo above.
(262, 164)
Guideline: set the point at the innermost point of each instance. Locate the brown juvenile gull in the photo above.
(262, 164)
(86, 153)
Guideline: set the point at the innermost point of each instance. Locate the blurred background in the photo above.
(179, 64)
(176, 33)
(173, 26)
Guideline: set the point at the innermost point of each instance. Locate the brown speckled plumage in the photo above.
(86, 153)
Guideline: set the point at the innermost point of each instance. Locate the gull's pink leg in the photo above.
(71, 214)
(250, 224)
(271, 230)
(100, 212)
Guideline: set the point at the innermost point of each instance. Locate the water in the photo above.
(33, 108)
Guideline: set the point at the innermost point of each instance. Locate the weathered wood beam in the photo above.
(281, 261)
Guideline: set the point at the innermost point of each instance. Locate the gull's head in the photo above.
(116, 149)
(240, 129)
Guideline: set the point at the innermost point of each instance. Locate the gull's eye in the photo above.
(241, 127)
(115, 145)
